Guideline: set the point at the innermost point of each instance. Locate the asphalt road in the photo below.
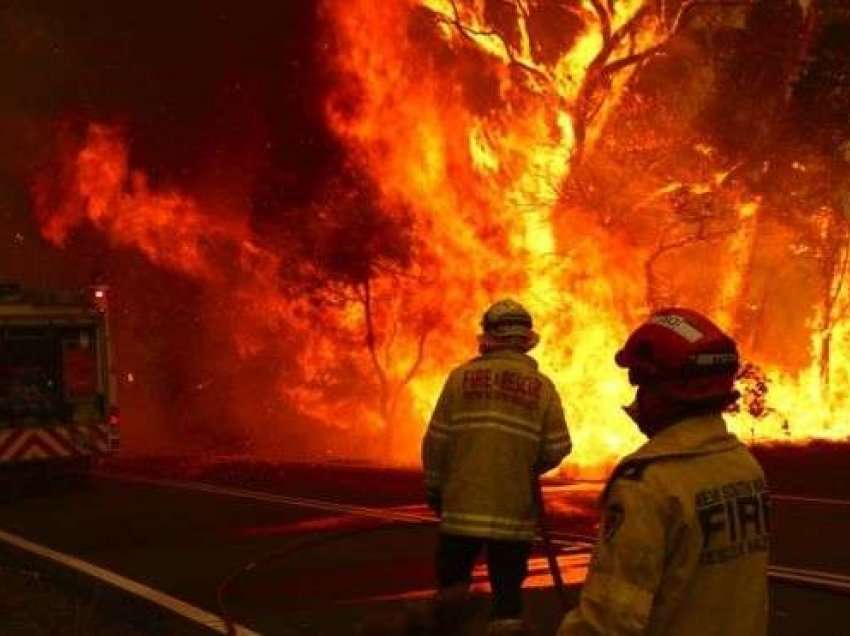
(185, 539)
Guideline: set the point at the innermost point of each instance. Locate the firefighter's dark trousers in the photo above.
(507, 567)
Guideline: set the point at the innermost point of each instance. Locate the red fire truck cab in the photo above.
(57, 388)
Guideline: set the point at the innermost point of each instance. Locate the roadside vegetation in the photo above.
(32, 604)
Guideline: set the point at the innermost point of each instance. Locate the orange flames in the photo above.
(476, 122)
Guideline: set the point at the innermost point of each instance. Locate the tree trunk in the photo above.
(825, 350)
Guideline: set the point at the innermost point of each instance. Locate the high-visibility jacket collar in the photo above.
(508, 354)
(692, 436)
(700, 435)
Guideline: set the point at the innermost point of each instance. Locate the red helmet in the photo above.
(684, 354)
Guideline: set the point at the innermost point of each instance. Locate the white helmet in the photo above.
(507, 324)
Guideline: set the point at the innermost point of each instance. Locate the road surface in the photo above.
(189, 533)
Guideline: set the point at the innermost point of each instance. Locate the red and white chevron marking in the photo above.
(28, 444)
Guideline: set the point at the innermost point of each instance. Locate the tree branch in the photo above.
(420, 355)
(663, 247)
(604, 19)
(370, 340)
(838, 280)
(469, 34)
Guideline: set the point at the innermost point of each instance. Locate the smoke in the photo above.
(213, 117)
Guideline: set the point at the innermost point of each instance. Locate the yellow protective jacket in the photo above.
(497, 424)
(684, 543)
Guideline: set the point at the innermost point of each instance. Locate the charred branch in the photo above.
(470, 33)
(603, 14)
(390, 388)
(371, 340)
(666, 245)
(834, 268)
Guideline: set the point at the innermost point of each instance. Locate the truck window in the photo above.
(48, 375)
(29, 375)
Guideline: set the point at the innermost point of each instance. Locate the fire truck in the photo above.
(57, 388)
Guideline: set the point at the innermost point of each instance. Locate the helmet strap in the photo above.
(654, 410)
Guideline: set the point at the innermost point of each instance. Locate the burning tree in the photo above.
(727, 169)
(534, 40)
(352, 256)
(595, 158)
(821, 100)
(358, 251)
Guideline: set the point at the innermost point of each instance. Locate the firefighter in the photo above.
(684, 540)
(498, 424)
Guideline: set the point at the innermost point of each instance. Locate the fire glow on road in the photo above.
(574, 549)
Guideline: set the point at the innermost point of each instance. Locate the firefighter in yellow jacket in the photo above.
(685, 530)
(497, 425)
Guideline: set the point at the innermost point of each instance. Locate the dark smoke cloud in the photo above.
(196, 82)
(215, 97)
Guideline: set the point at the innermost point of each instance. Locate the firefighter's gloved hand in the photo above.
(434, 498)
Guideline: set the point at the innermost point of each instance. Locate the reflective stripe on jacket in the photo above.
(498, 422)
(684, 541)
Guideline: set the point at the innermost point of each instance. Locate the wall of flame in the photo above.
(472, 139)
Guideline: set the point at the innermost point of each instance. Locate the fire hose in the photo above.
(549, 547)
(227, 583)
